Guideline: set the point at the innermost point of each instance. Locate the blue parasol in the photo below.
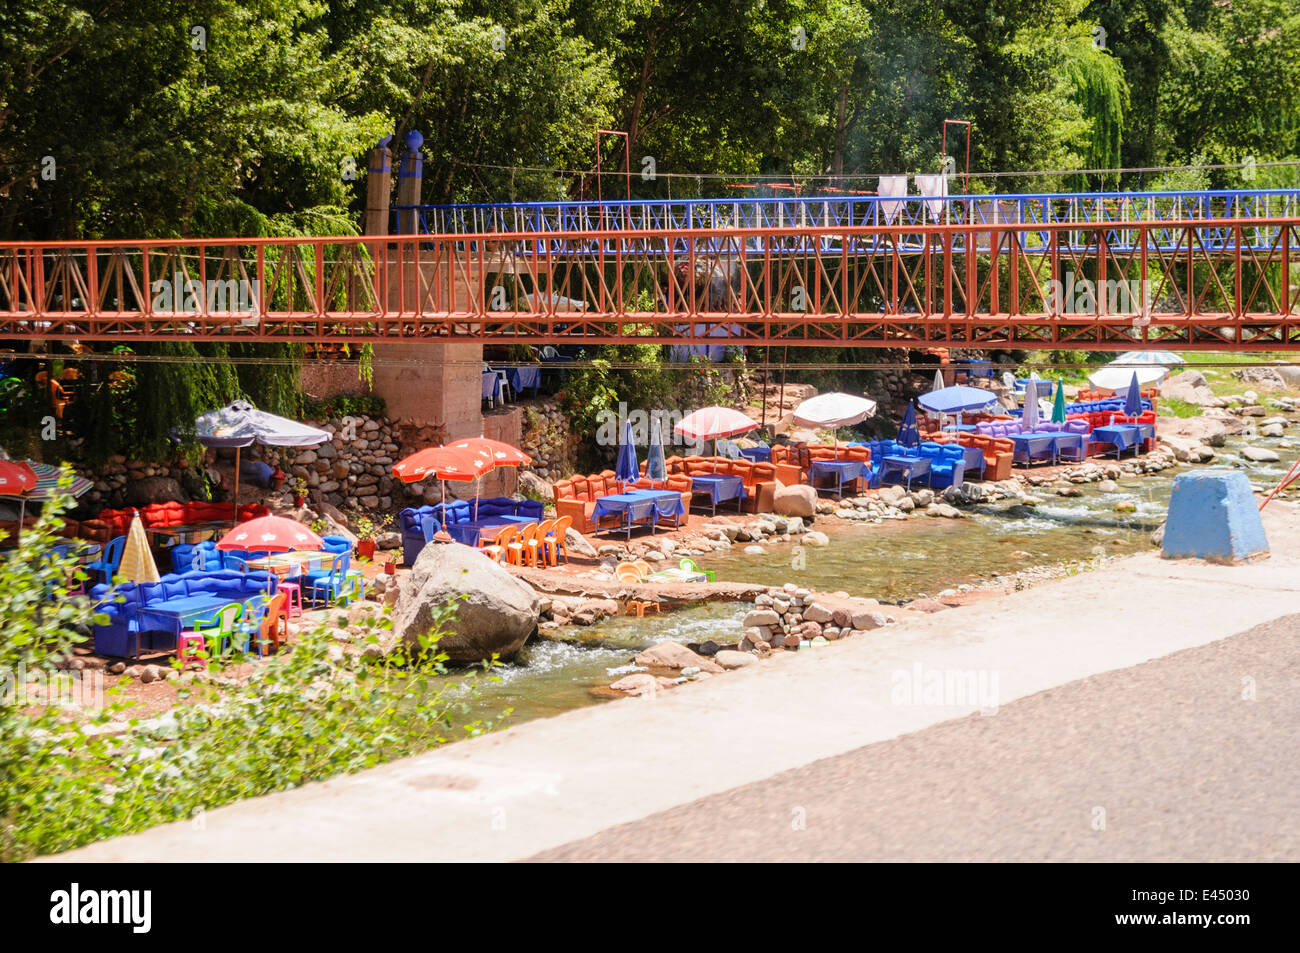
(1133, 400)
(627, 470)
(908, 434)
(954, 400)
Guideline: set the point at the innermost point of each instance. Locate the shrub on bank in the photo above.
(70, 777)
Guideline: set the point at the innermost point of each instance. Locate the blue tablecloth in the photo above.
(1047, 442)
(526, 378)
(471, 531)
(640, 506)
(1122, 436)
(844, 471)
(757, 454)
(907, 467)
(720, 487)
(490, 384)
(973, 457)
(176, 615)
(960, 428)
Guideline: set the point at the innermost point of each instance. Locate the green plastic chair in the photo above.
(221, 629)
(688, 565)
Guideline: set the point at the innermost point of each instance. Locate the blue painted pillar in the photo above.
(1213, 515)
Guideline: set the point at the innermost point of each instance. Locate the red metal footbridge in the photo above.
(1216, 270)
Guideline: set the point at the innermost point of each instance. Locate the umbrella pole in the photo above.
(22, 514)
(234, 513)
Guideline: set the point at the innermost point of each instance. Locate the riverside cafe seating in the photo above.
(459, 519)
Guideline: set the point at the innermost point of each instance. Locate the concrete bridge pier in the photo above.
(428, 381)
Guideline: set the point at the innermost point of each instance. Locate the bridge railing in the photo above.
(1034, 284)
(845, 211)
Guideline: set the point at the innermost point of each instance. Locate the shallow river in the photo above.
(893, 561)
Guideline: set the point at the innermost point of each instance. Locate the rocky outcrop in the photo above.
(1192, 388)
(497, 614)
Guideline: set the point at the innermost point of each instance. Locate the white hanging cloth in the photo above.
(891, 185)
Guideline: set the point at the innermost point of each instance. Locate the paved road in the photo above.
(1184, 768)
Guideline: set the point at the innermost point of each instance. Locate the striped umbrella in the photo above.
(137, 563)
(47, 479)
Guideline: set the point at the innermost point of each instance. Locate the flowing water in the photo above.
(892, 561)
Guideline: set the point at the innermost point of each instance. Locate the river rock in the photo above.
(729, 659)
(531, 485)
(1260, 454)
(800, 500)
(638, 683)
(1211, 430)
(760, 617)
(818, 613)
(815, 538)
(498, 614)
(675, 655)
(575, 542)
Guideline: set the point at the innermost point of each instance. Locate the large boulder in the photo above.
(498, 613)
(798, 500)
(1192, 388)
(534, 487)
(1209, 430)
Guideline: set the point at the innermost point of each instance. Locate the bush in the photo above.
(344, 405)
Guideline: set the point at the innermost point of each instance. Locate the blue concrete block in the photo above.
(1213, 515)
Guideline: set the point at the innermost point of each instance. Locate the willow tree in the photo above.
(1098, 85)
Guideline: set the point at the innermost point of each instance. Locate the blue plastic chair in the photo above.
(326, 585)
(109, 559)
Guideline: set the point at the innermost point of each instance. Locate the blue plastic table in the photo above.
(757, 454)
(844, 471)
(719, 487)
(175, 615)
(907, 467)
(640, 506)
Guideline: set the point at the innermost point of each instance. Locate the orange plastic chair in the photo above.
(537, 545)
(275, 625)
(496, 549)
(520, 548)
(627, 572)
(554, 543)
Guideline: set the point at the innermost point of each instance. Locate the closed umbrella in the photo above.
(909, 435)
(627, 469)
(137, 564)
(1029, 418)
(939, 382)
(1133, 401)
(1058, 405)
(834, 410)
(656, 468)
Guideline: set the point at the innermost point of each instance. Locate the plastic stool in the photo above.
(183, 642)
(294, 592)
